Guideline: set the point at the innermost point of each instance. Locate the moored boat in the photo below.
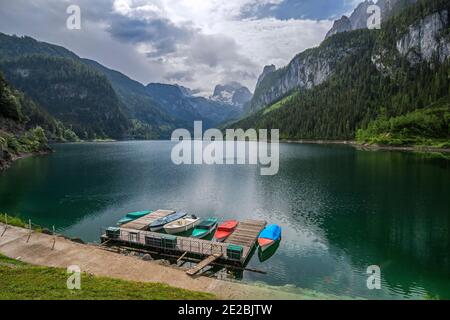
(205, 227)
(269, 236)
(161, 222)
(181, 225)
(133, 216)
(225, 229)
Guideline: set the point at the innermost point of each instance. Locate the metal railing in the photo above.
(168, 242)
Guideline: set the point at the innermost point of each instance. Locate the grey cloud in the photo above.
(216, 50)
(162, 34)
(184, 76)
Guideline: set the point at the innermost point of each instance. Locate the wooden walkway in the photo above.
(143, 222)
(202, 264)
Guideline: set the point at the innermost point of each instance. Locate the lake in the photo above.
(341, 209)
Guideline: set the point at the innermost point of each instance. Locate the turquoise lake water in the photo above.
(341, 209)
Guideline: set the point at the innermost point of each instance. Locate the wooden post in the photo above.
(31, 230)
(54, 238)
(6, 225)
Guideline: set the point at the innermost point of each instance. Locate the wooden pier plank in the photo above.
(202, 264)
(142, 223)
(246, 233)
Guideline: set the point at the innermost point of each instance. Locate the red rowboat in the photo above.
(225, 229)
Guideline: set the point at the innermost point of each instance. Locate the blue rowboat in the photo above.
(133, 216)
(269, 236)
(161, 222)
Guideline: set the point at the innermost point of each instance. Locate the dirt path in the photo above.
(93, 260)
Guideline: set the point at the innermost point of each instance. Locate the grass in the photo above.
(18, 222)
(279, 104)
(22, 281)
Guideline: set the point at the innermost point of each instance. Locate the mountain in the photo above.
(137, 104)
(125, 109)
(232, 93)
(358, 19)
(181, 104)
(354, 79)
(71, 92)
(314, 66)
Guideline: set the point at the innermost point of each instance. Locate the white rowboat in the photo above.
(181, 225)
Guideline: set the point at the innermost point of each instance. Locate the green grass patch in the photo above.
(18, 222)
(22, 281)
(279, 104)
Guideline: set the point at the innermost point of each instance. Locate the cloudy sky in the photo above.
(196, 43)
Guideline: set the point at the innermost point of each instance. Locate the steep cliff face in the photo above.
(426, 38)
(307, 70)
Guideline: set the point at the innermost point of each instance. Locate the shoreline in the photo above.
(92, 259)
(353, 143)
(370, 147)
(6, 164)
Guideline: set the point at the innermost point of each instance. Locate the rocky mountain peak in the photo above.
(358, 19)
(267, 70)
(232, 93)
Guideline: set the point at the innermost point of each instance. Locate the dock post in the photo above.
(54, 238)
(31, 230)
(6, 225)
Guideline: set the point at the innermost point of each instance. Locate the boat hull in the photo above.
(170, 229)
(160, 223)
(225, 229)
(204, 234)
(265, 244)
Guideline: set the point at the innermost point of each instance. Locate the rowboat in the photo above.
(225, 229)
(182, 225)
(205, 227)
(158, 224)
(133, 216)
(269, 236)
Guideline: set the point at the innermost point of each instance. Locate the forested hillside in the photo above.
(18, 134)
(70, 92)
(395, 73)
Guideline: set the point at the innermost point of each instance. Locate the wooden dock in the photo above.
(136, 233)
(143, 222)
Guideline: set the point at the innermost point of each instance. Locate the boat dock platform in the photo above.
(234, 251)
